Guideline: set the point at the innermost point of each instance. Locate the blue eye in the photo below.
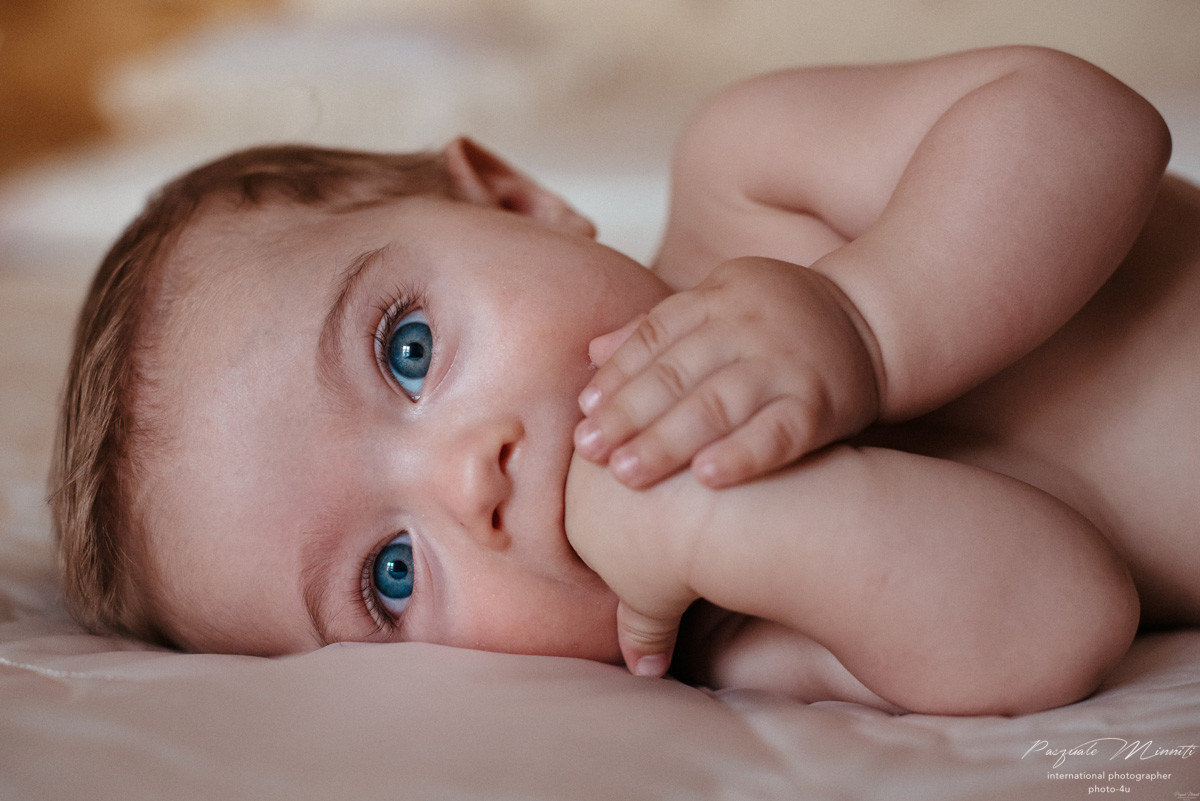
(408, 351)
(393, 574)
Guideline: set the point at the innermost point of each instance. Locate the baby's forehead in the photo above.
(241, 290)
(222, 271)
(225, 233)
(227, 247)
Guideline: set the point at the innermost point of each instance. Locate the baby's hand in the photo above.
(641, 545)
(758, 365)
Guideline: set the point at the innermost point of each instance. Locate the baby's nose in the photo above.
(473, 481)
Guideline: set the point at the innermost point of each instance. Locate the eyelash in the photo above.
(405, 300)
(366, 594)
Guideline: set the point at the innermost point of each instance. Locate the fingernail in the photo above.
(587, 437)
(708, 473)
(589, 399)
(654, 666)
(624, 465)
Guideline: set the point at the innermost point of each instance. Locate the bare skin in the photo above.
(1090, 409)
(1102, 415)
(1090, 418)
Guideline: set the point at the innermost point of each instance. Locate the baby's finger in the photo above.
(646, 642)
(667, 323)
(644, 398)
(601, 349)
(777, 435)
(720, 404)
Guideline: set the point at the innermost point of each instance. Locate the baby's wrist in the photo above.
(863, 374)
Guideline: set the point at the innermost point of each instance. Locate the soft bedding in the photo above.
(87, 717)
(97, 718)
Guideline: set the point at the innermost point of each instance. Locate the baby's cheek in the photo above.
(558, 623)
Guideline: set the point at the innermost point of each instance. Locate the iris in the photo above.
(409, 352)
(393, 570)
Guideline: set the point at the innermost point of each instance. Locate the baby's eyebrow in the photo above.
(328, 363)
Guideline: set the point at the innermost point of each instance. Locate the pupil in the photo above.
(412, 350)
(397, 569)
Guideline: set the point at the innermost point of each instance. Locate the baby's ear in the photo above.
(484, 178)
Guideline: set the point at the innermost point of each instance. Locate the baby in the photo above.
(903, 413)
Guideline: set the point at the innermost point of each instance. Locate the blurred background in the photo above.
(101, 101)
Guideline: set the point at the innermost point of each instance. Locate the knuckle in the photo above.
(820, 407)
(654, 333)
(671, 377)
(785, 440)
(645, 632)
(788, 435)
(715, 412)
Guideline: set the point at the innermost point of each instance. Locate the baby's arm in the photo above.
(965, 206)
(941, 587)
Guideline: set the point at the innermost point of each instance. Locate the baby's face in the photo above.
(370, 419)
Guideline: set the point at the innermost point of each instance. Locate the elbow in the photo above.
(1081, 661)
(1117, 141)
(1104, 636)
(1148, 139)
(1112, 107)
(1046, 658)
(1158, 144)
(1147, 129)
(1085, 653)
(1071, 656)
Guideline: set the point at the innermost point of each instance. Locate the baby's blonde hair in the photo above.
(104, 430)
